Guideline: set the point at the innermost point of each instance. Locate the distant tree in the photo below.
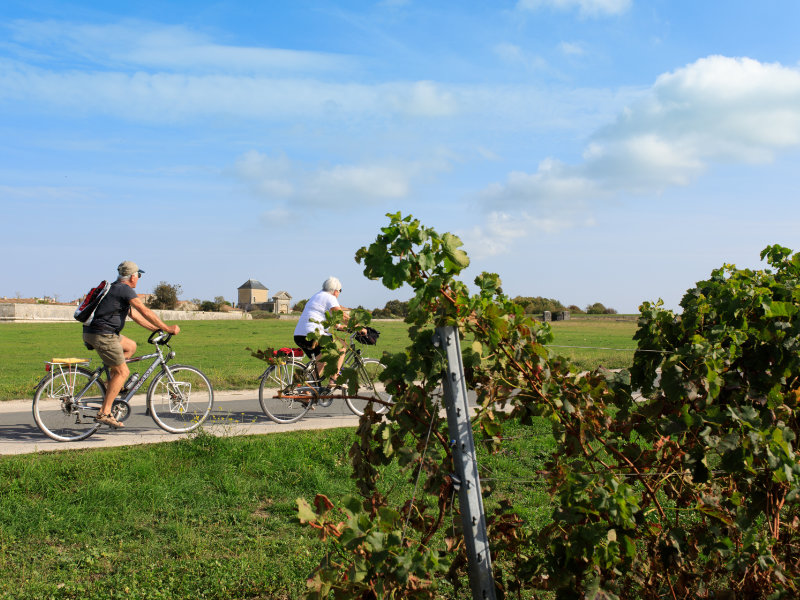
(393, 308)
(397, 308)
(595, 309)
(300, 305)
(575, 309)
(537, 305)
(165, 296)
(599, 309)
(214, 305)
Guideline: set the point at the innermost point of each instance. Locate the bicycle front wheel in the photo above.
(370, 388)
(278, 385)
(65, 404)
(180, 398)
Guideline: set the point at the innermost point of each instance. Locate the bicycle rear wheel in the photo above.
(370, 387)
(64, 405)
(278, 382)
(180, 398)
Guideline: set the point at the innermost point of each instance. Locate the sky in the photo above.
(612, 151)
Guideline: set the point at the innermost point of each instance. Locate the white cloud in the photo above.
(291, 187)
(423, 98)
(571, 48)
(156, 74)
(586, 8)
(513, 54)
(160, 97)
(716, 110)
(149, 45)
(500, 230)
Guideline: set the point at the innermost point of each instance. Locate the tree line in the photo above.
(165, 296)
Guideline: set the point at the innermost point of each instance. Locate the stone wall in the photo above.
(54, 313)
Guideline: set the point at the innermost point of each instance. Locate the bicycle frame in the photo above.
(351, 360)
(160, 360)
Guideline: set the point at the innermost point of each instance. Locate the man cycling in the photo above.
(103, 334)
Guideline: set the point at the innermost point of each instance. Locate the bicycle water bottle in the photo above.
(131, 381)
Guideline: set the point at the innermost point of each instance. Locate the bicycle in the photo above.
(298, 386)
(67, 399)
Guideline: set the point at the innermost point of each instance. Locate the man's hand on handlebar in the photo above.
(174, 330)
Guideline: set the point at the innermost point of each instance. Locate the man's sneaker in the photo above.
(108, 420)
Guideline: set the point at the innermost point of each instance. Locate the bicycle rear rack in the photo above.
(67, 371)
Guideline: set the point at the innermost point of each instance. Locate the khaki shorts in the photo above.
(108, 346)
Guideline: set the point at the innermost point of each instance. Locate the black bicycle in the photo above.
(67, 399)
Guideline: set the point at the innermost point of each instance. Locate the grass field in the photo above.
(211, 517)
(219, 348)
(202, 517)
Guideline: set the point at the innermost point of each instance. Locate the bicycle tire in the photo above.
(369, 385)
(180, 404)
(56, 412)
(277, 383)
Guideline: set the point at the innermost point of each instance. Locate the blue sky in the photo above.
(608, 151)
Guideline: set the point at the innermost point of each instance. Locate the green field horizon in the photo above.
(219, 348)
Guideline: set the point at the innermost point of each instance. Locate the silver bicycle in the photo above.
(289, 388)
(67, 399)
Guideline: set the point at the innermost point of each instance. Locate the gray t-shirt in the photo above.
(110, 314)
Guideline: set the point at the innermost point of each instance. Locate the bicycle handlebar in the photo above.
(159, 337)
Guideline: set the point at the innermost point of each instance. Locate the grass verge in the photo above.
(203, 517)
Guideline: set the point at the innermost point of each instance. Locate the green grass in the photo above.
(594, 342)
(199, 518)
(218, 348)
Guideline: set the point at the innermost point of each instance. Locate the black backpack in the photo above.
(368, 337)
(85, 312)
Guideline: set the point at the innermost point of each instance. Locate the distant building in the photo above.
(280, 304)
(253, 295)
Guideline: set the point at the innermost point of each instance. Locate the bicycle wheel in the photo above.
(280, 381)
(180, 398)
(369, 386)
(65, 404)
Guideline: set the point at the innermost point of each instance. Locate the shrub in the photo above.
(165, 296)
(262, 314)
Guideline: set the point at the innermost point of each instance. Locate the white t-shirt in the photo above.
(315, 310)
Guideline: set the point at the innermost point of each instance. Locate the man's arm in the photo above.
(148, 319)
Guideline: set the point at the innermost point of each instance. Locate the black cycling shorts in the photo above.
(311, 348)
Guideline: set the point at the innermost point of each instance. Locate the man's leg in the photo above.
(128, 346)
(118, 374)
(116, 379)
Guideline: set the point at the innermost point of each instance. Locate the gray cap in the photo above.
(128, 268)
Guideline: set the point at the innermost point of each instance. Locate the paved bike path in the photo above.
(235, 413)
